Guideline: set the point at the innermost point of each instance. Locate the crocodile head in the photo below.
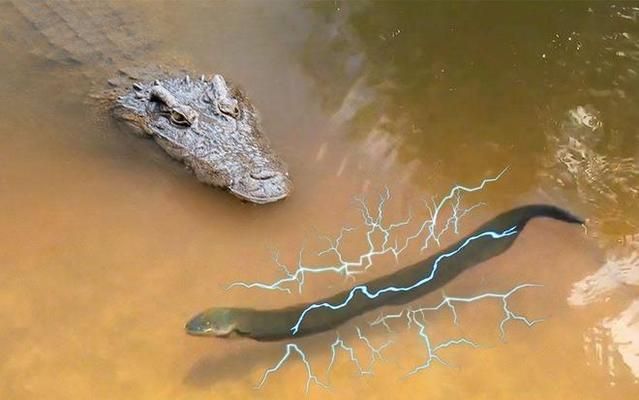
(212, 127)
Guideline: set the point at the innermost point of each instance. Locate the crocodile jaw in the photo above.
(212, 127)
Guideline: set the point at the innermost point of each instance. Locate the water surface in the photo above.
(108, 246)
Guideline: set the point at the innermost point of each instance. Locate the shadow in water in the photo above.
(211, 369)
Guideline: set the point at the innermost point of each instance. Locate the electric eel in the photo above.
(397, 288)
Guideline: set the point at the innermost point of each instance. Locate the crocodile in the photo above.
(207, 123)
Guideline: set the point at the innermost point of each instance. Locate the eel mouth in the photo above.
(213, 323)
(210, 333)
(201, 325)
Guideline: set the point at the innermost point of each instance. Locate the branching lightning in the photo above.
(429, 231)
(417, 317)
(374, 223)
(432, 350)
(376, 353)
(337, 345)
(393, 289)
(449, 302)
(290, 348)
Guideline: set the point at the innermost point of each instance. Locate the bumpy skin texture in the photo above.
(104, 35)
(210, 126)
(276, 324)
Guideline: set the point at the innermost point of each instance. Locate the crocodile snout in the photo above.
(263, 186)
(263, 175)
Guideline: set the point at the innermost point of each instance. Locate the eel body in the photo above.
(397, 288)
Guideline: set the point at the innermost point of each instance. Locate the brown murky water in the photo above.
(108, 247)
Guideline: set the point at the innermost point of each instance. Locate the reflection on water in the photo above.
(615, 336)
(108, 247)
(600, 182)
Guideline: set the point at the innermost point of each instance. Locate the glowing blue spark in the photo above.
(384, 317)
(376, 353)
(411, 316)
(379, 236)
(508, 314)
(340, 344)
(375, 225)
(449, 301)
(431, 350)
(455, 193)
(309, 372)
(364, 289)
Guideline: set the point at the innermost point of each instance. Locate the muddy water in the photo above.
(108, 247)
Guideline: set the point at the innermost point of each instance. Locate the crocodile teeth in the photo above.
(203, 78)
(137, 86)
(187, 79)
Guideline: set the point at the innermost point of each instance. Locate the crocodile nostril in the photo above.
(263, 175)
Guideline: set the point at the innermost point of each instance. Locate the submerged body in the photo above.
(207, 123)
(487, 241)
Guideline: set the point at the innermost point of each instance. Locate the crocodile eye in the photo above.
(179, 119)
(232, 110)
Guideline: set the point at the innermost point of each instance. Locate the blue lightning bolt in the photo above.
(379, 238)
(455, 193)
(364, 289)
(508, 313)
(450, 301)
(413, 317)
(338, 344)
(375, 224)
(431, 350)
(292, 347)
(376, 352)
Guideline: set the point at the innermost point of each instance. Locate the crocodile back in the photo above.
(75, 31)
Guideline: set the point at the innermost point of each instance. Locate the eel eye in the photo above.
(179, 119)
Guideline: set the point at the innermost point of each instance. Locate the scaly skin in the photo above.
(208, 123)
